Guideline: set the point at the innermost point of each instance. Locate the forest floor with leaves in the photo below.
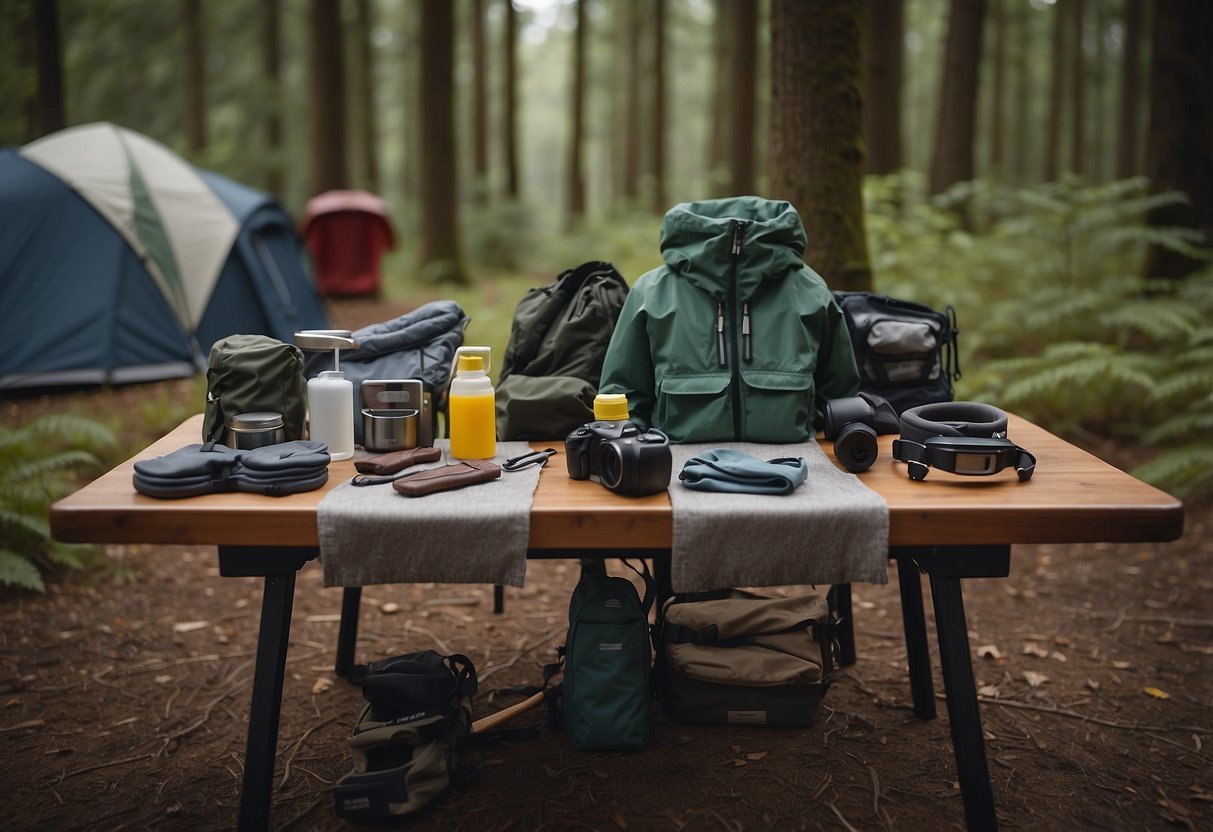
(124, 702)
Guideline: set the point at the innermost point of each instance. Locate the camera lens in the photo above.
(610, 465)
(856, 447)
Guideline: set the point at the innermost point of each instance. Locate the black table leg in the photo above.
(839, 599)
(278, 566)
(968, 739)
(347, 630)
(918, 655)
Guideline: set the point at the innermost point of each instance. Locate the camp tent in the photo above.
(347, 232)
(120, 262)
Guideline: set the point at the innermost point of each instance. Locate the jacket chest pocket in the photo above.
(777, 406)
(695, 408)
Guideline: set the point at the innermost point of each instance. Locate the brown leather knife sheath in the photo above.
(385, 464)
(447, 478)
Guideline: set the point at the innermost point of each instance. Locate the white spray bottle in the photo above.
(330, 395)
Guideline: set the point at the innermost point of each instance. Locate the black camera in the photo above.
(622, 456)
(853, 424)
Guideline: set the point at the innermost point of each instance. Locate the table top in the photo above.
(1073, 497)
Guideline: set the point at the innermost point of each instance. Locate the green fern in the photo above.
(39, 463)
(1055, 323)
(1186, 471)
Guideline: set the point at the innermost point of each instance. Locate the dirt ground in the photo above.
(124, 703)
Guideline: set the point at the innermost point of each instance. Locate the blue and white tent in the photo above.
(120, 262)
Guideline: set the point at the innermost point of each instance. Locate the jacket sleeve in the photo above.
(628, 365)
(837, 376)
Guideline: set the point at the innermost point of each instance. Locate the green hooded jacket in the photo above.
(734, 338)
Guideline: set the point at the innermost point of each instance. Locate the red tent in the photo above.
(347, 232)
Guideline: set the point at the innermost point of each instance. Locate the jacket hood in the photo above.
(698, 242)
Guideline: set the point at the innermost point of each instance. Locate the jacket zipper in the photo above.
(747, 349)
(738, 232)
(720, 354)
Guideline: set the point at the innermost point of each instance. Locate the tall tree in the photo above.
(658, 120)
(480, 105)
(49, 111)
(998, 24)
(271, 69)
(816, 145)
(1127, 151)
(952, 160)
(510, 105)
(883, 55)
(441, 255)
(719, 128)
(1179, 148)
(195, 75)
(1022, 120)
(1057, 51)
(631, 109)
(743, 94)
(1078, 101)
(575, 168)
(366, 127)
(329, 167)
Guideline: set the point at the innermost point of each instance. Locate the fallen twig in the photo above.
(546, 637)
(206, 715)
(110, 764)
(1124, 726)
(286, 766)
(843, 820)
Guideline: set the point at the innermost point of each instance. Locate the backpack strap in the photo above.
(650, 585)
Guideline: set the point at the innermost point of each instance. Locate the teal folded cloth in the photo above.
(734, 472)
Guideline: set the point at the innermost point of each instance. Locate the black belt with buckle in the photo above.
(968, 438)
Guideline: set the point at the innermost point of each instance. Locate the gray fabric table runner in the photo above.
(833, 529)
(478, 534)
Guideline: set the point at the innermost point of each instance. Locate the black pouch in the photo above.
(906, 352)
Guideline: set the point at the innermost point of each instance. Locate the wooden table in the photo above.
(947, 526)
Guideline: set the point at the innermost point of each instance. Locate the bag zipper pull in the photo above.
(720, 334)
(746, 349)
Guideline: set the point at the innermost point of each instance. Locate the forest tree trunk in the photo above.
(719, 127)
(998, 22)
(1128, 151)
(1056, 90)
(367, 130)
(883, 56)
(49, 110)
(271, 69)
(195, 76)
(509, 114)
(575, 171)
(952, 159)
(1179, 148)
(480, 106)
(743, 94)
(659, 116)
(816, 152)
(1078, 98)
(329, 169)
(631, 140)
(441, 259)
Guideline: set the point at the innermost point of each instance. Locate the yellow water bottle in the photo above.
(473, 413)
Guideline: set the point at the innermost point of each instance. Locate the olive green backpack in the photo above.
(250, 374)
(553, 362)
